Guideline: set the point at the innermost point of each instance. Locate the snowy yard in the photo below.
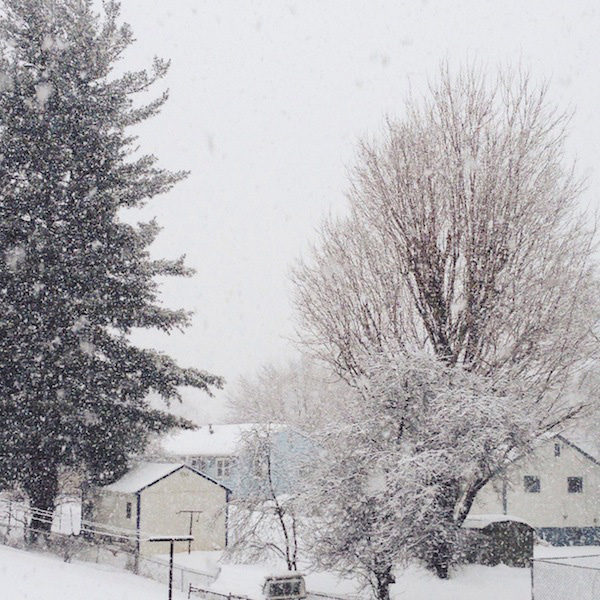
(30, 576)
(473, 582)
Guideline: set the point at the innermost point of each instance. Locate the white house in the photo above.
(555, 488)
(158, 499)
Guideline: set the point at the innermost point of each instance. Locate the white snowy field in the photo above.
(472, 582)
(32, 576)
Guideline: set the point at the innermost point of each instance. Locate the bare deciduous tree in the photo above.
(263, 520)
(301, 393)
(463, 240)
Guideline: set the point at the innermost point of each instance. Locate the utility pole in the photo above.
(171, 539)
(191, 513)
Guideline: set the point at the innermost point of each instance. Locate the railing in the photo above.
(15, 518)
(15, 522)
(568, 578)
(183, 577)
(322, 596)
(210, 595)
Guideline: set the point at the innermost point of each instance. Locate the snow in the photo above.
(470, 582)
(43, 91)
(481, 521)
(208, 440)
(67, 517)
(142, 476)
(578, 556)
(248, 579)
(565, 551)
(241, 580)
(30, 576)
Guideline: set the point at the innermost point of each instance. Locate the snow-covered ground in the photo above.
(31, 576)
(472, 582)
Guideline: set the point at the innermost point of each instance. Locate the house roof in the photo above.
(207, 440)
(146, 474)
(577, 446)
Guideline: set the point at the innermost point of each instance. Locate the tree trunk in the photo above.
(383, 581)
(439, 548)
(441, 558)
(42, 489)
(87, 507)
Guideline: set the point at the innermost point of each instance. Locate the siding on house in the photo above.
(110, 509)
(184, 490)
(205, 447)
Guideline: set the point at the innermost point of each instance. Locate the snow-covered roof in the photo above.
(147, 473)
(481, 521)
(207, 440)
(142, 476)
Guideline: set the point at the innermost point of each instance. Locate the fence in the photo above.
(210, 595)
(566, 578)
(183, 577)
(62, 540)
(15, 521)
(321, 596)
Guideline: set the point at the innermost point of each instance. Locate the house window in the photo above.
(222, 467)
(556, 449)
(259, 466)
(128, 510)
(532, 484)
(575, 485)
(198, 463)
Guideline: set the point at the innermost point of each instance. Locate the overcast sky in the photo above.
(268, 100)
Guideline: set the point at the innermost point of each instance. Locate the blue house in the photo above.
(248, 458)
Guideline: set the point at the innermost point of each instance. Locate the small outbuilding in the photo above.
(499, 539)
(158, 499)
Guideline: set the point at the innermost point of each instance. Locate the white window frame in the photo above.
(223, 466)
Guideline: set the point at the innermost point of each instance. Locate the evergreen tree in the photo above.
(74, 279)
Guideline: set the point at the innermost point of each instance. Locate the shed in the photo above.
(156, 499)
(499, 539)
